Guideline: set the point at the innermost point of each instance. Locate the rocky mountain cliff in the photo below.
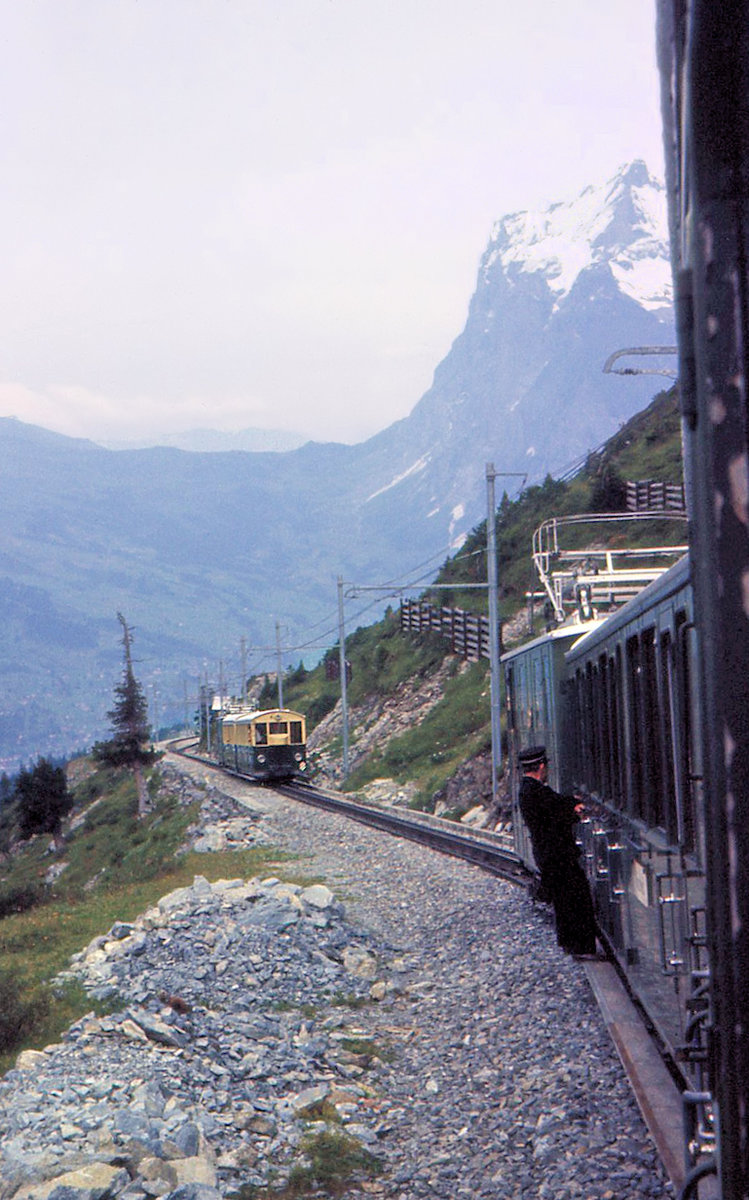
(557, 292)
(200, 550)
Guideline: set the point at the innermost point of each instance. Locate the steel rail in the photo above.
(490, 851)
(485, 850)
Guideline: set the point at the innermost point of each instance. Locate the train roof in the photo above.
(246, 716)
(667, 584)
(575, 630)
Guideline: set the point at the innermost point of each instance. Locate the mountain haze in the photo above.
(215, 440)
(201, 549)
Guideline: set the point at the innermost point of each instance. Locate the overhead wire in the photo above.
(400, 583)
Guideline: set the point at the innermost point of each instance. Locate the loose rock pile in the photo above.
(200, 1075)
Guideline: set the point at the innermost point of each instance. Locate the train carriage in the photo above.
(533, 678)
(616, 704)
(633, 730)
(264, 744)
(703, 53)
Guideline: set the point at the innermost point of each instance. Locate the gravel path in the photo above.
(504, 1083)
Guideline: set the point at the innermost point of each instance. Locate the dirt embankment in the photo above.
(375, 723)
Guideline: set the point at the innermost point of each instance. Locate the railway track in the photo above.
(651, 1076)
(492, 852)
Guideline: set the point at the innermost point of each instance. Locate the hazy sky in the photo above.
(231, 213)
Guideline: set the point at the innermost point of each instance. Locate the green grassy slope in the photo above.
(115, 866)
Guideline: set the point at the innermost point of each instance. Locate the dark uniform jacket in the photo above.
(551, 821)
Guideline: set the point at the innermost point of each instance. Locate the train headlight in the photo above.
(261, 758)
(297, 756)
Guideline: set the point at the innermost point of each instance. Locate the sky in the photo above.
(270, 213)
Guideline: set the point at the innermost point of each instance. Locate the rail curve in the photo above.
(493, 852)
(651, 1075)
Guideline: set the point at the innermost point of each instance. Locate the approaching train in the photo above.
(616, 702)
(268, 744)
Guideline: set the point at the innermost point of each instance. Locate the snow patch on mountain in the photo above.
(419, 465)
(622, 224)
(456, 536)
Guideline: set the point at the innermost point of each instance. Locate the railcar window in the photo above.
(543, 686)
(510, 695)
(523, 706)
(667, 733)
(577, 730)
(278, 727)
(685, 684)
(577, 727)
(583, 692)
(595, 739)
(635, 727)
(295, 733)
(261, 735)
(604, 725)
(582, 726)
(586, 726)
(652, 717)
(566, 717)
(537, 690)
(617, 728)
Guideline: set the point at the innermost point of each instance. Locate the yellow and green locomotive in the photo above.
(264, 744)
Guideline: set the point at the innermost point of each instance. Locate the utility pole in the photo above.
(493, 591)
(342, 659)
(279, 673)
(491, 578)
(491, 587)
(243, 655)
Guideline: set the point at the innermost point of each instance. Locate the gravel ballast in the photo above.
(408, 1001)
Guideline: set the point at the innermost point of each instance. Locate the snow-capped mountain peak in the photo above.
(623, 224)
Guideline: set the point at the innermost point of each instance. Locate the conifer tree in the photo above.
(130, 745)
(42, 799)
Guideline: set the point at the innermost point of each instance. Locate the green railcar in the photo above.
(264, 744)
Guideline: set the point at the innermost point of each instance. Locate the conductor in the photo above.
(551, 819)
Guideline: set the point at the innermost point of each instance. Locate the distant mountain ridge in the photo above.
(215, 441)
(199, 550)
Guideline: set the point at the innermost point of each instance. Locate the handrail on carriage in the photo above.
(564, 571)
